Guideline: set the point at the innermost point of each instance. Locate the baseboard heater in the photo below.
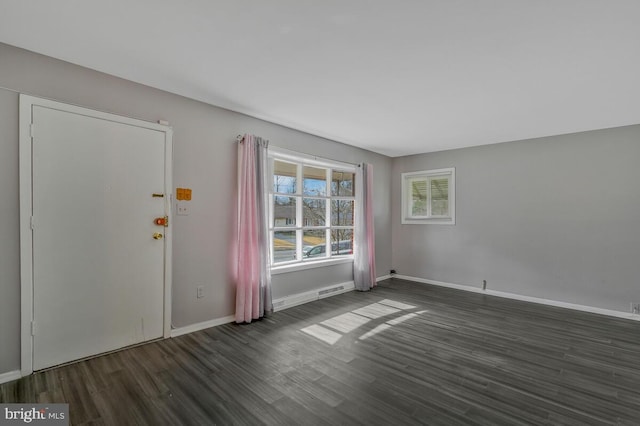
(330, 290)
(309, 296)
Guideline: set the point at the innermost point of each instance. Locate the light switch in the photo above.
(182, 208)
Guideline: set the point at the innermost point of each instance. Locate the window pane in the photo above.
(314, 212)
(284, 246)
(419, 197)
(342, 212)
(284, 177)
(343, 183)
(341, 242)
(314, 243)
(284, 211)
(440, 196)
(314, 181)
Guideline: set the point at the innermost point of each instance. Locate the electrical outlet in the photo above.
(635, 308)
(200, 292)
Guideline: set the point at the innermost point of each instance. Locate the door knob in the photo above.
(157, 236)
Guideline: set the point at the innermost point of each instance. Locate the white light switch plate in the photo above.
(182, 208)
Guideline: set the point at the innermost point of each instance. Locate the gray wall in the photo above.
(289, 283)
(556, 218)
(9, 232)
(204, 160)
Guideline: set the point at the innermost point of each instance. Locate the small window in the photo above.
(428, 197)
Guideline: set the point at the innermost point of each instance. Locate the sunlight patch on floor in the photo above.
(378, 329)
(346, 323)
(322, 333)
(376, 310)
(350, 321)
(396, 304)
(390, 323)
(401, 319)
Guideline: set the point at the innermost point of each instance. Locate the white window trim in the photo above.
(283, 268)
(311, 160)
(276, 153)
(433, 220)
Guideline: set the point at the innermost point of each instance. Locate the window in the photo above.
(428, 197)
(312, 206)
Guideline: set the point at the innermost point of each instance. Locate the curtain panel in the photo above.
(364, 264)
(253, 286)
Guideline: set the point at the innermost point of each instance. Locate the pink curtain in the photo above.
(253, 286)
(364, 264)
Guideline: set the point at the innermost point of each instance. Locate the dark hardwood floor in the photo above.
(404, 353)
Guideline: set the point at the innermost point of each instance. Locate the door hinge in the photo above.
(32, 129)
(32, 223)
(33, 328)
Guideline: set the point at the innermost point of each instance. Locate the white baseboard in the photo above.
(10, 376)
(591, 309)
(309, 296)
(384, 277)
(278, 305)
(179, 331)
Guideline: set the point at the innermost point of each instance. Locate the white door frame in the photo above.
(26, 208)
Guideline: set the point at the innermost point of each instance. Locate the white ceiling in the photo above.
(396, 77)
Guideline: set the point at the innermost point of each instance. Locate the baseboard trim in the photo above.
(278, 305)
(514, 296)
(384, 277)
(10, 376)
(310, 296)
(179, 331)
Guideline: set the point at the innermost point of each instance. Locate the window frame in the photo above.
(407, 218)
(302, 160)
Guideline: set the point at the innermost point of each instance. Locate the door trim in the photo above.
(26, 208)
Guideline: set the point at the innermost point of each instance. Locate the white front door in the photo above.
(98, 272)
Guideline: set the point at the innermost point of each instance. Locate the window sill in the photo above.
(430, 221)
(283, 269)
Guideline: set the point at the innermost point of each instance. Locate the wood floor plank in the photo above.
(404, 353)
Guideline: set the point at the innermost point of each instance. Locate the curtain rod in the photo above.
(240, 138)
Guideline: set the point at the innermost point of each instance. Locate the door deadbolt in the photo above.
(162, 221)
(157, 236)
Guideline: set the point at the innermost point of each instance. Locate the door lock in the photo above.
(162, 221)
(157, 236)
